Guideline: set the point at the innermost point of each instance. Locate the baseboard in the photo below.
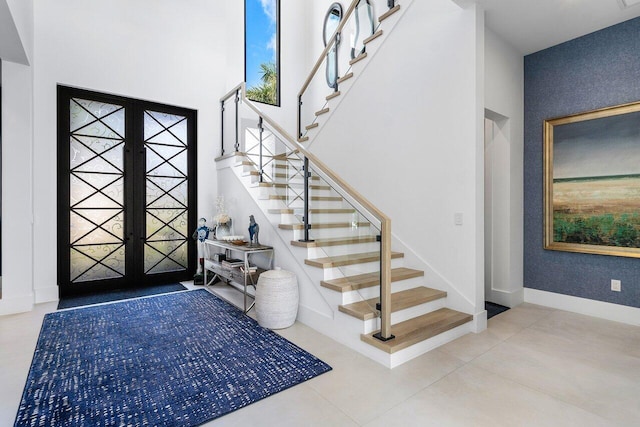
(603, 310)
(479, 322)
(313, 318)
(15, 305)
(49, 294)
(507, 298)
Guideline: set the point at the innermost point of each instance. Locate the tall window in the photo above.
(262, 50)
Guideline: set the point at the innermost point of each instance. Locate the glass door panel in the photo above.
(96, 202)
(167, 195)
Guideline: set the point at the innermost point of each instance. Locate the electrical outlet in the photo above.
(457, 218)
(616, 285)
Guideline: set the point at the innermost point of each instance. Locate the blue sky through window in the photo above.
(261, 37)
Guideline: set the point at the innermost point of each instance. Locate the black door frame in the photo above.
(135, 200)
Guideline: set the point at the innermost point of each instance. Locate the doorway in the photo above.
(496, 208)
(126, 192)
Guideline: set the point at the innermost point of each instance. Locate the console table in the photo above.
(239, 275)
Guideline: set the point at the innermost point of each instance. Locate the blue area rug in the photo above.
(178, 359)
(107, 296)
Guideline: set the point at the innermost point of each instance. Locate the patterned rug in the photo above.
(178, 359)
(108, 296)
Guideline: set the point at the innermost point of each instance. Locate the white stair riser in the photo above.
(285, 204)
(356, 326)
(299, 204)
(290, 218)
(319, 218)
(322, 233)
(351, 248)
(418, 310)
(374, 291)
(423, 347)
(283, 177)
(298, 192)
(352, 270)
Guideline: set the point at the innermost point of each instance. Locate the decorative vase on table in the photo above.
(223, 229)
(222, 219)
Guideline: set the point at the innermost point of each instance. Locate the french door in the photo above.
(126, 192)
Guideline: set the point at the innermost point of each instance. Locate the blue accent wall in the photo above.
(598, 70)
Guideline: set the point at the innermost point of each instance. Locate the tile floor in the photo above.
(533, 366)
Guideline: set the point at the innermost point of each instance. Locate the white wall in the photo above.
(504, 103)
(409, 136)
(17, 146)
(17, 213)
(157, 50)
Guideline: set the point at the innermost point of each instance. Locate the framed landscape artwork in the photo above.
(592, 182)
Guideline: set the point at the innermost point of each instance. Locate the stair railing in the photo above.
(344, 65)
(374, 215)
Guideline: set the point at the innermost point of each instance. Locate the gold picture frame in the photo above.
(592, 182)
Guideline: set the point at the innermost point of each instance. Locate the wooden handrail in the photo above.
(385, 221)
(231, 92)
(320, 60)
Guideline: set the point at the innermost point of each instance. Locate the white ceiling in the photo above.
(533, 25)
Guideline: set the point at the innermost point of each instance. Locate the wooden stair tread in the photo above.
(358, 58)
(336, 241)
(418, 329)
(372, 37)
(314, 198)
(325, 225)
(313, 211)
(333, 95)
(389, 13)
(321, 112)
(345, 77)
(287, 176)
(287, 166)
(312, 125)
(331, 211)
(365, 310)
(303, 139)
(367, 280)
(285, 156)
(350, 259)
(289, 184)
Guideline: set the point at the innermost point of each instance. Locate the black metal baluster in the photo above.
(237, 100)
(305, 218)
(261, 130)
(222, 128)
(379, 304)
(299, 116)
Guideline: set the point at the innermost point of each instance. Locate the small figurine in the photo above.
(201, 234)
(254, 229)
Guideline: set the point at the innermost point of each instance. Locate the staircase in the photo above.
(340, 253)
(343, 260)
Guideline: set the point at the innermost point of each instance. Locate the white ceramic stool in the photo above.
(277, 299)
